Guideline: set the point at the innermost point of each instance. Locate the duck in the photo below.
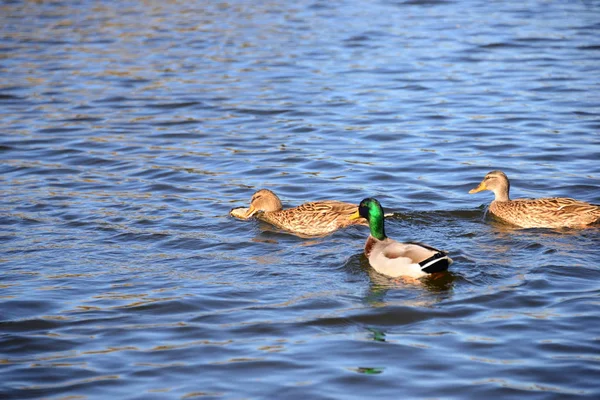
(551, 212)
(392, 258)
(311, 219)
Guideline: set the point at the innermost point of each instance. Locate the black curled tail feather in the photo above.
(436, 263)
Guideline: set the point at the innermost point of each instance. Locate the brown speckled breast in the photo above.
(369, 245)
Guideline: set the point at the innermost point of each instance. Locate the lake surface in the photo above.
(128, 130)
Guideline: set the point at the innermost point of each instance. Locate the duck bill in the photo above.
(354, 216)
(478, 189)
(251, 211)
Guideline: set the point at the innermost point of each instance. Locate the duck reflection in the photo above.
(377, 334)
(368, 370)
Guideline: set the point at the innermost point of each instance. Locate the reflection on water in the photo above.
(129, 130)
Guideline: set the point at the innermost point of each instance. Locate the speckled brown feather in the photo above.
(314, 218)
(546, 213)
(554, 212)
(309, 219)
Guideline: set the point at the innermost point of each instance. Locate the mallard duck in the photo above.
(552, 212)
(392, 258)
(316, 218)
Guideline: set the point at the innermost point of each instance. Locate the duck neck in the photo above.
(377, 228)
(501, 194)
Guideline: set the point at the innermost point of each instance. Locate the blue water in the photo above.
(128, 130)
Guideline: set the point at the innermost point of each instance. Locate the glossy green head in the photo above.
(373, 212)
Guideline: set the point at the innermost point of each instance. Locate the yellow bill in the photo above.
(478, 189)
(356, 215)
(251, 212)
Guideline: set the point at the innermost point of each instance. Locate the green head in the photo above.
(371, 210)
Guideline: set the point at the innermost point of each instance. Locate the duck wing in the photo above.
(314, 218)
(549, 212)
(428, 258)
(326, 212)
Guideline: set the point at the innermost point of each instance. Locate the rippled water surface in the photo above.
(128, 130)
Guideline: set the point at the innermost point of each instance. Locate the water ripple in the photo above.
(129, 132)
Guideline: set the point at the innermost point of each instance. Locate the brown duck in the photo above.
(554, 212)
(316, 218)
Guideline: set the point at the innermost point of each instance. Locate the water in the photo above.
(129, 130)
